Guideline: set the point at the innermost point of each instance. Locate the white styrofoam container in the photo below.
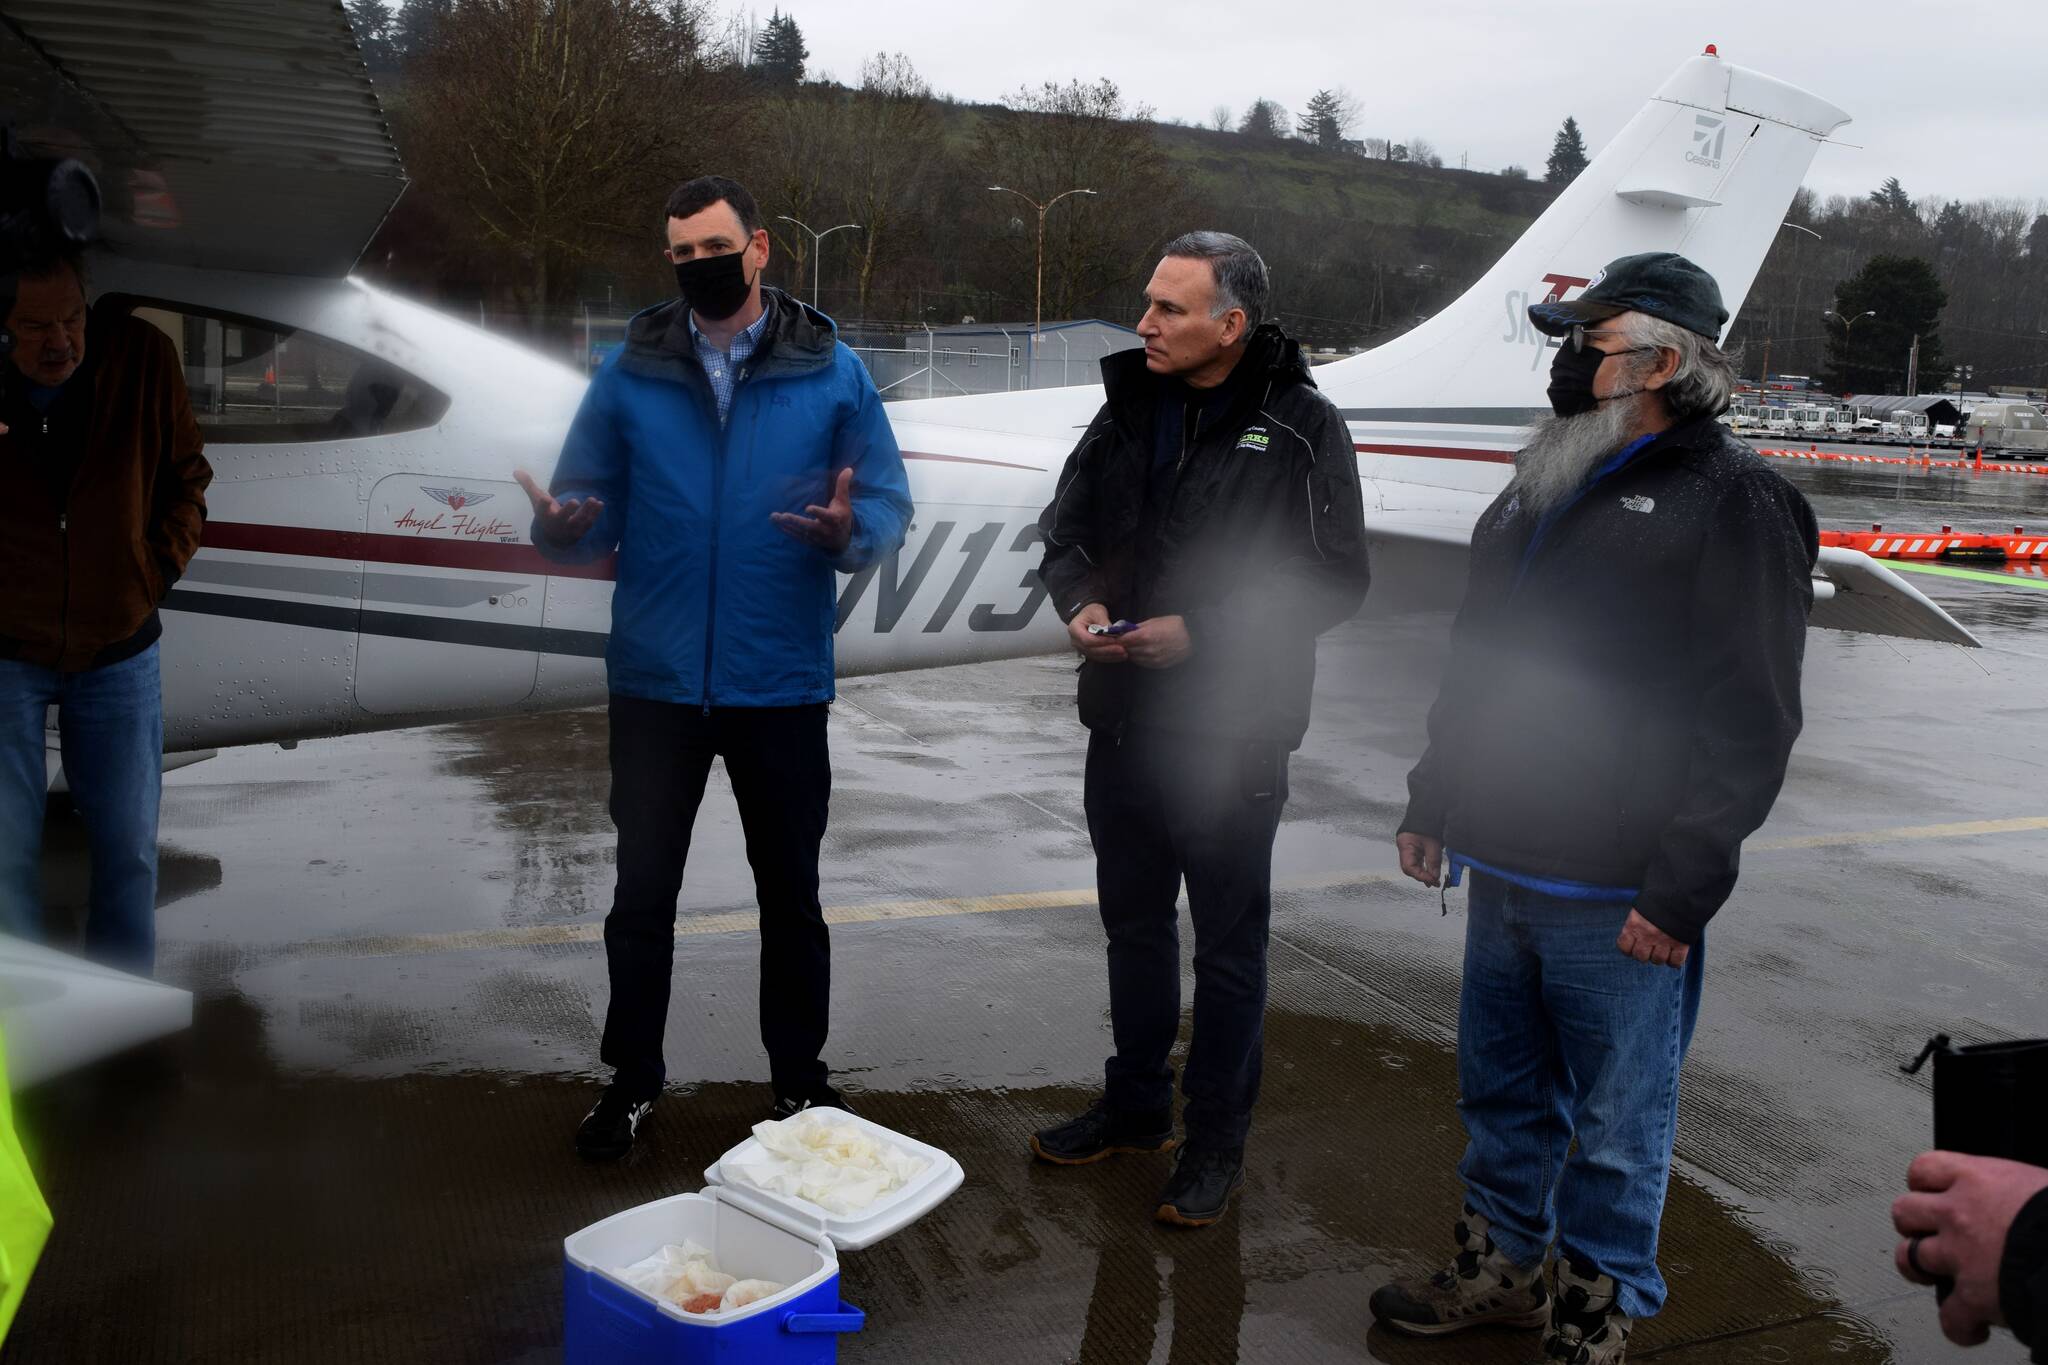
(888, 1215)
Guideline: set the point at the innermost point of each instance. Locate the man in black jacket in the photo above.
(1620, 702)
(1981, 1224)
(1213, 502)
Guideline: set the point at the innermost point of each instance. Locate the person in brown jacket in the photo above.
(100, 455)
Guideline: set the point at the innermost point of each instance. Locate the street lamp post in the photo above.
(1849, 336)
(817, 248)
(1038, 308)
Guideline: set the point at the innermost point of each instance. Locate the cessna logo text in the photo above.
(1708, 136)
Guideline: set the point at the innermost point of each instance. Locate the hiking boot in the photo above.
(1199, 1190)
(1587, 1326)
(822, 1097)
(1102, 1132)
(1480, 1287)
(607, 1131)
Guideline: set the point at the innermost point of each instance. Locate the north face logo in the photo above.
(1638, 503)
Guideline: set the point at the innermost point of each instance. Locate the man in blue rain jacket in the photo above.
(735, 455)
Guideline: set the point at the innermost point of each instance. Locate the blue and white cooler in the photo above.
(751, 1234)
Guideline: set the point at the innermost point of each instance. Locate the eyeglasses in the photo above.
(1579, 332)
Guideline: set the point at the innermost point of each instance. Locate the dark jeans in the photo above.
(1163, 808)
(781, 776)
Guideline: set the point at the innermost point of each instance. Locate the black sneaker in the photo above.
(824, 1097)
(1102, 1132)
(1201, 1185)
(607, 1131)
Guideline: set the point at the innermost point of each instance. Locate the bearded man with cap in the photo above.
(1620, 702)
(734, 454)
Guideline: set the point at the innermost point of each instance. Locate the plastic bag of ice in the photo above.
(658, 1274)
(744, 1292)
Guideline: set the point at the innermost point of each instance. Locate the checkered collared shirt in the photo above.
(722, 367)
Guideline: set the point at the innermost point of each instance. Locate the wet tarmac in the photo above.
(360, 1152)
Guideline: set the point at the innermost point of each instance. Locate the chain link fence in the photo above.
(905, 362)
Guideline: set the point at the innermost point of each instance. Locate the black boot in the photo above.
(1102, 1132)
(1201, 1186)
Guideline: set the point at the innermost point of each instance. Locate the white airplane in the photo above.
(366, 562)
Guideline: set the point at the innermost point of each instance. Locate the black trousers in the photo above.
(781, 773)
(1163, 808)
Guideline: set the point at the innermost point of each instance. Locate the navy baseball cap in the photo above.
(1662, 284)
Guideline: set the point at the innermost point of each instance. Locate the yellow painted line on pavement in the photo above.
(884, 912)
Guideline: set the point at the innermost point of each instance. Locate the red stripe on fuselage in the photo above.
(478, 556)
(1440, 452)
(968, 459)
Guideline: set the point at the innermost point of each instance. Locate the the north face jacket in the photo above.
(1260, 546)
(714, 605)
(1622, 694)
(106, 498)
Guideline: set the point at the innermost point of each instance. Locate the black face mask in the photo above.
(1571, 380)
(714, 287)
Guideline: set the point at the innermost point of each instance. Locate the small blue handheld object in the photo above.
(1119, 628)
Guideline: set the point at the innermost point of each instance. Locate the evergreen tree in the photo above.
(1567, 154)
(372, 21)
(1906, 298)
(1322, 122)
(779, 51)
(413, 31)
(1892, 199)
(1264, 119)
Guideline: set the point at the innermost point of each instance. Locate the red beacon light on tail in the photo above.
(1713, 49)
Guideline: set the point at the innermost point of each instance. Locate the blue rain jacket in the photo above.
(715, 605)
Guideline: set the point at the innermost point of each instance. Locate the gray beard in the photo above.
(1562, 453)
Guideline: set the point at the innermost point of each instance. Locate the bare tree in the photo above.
(894, 145)
(1422, 152)
(553, 124)
(803, 141)
(1220, 118)
(1078, 136)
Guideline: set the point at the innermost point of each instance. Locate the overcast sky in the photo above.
(1950, 98)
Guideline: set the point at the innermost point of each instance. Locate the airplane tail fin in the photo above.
(1706, 168)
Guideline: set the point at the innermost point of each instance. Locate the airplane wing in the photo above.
(58, 1011)
(1419, 561)
(224, 135)
(1869, 597)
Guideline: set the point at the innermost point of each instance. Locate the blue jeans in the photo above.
(111, 723)
(1562, 1036)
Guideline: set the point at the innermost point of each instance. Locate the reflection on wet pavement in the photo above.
(361, 1153)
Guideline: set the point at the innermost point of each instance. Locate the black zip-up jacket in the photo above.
(1260, 547)
(1620, 709)
(2023, 1277)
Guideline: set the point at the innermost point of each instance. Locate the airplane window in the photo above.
(254, 382)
